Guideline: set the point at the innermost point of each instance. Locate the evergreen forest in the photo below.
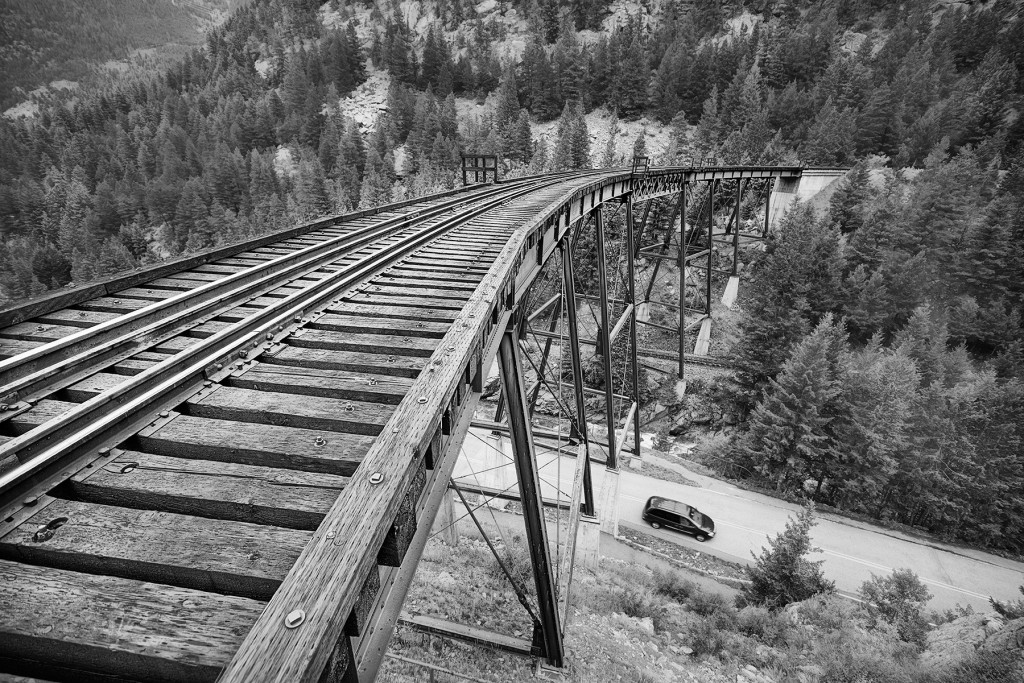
(881, 364)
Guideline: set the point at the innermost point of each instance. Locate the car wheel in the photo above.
(701, 537)
(655, 525)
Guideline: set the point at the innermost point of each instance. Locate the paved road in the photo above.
(852, 551)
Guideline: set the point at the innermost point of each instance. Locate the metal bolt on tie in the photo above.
(164, 413)
(207, 383)
(320, 441)
(376, 478)
(372, 382)
(421, 399)
(29, 501)
(294, 618)
(3, 407)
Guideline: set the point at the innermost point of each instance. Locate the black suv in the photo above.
(671, 514)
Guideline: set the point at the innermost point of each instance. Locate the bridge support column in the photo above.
(631, 307)
(580, 426)
(604, 344)
(682, 282)
(530, 496)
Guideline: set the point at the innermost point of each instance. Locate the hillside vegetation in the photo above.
(67, 39)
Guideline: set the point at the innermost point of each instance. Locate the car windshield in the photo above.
(699, 518)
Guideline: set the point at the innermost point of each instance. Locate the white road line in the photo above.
(933, 582)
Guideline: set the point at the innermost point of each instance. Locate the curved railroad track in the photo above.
(176, 446)
(168, 449)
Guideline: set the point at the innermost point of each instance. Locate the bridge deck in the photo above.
(171, 446)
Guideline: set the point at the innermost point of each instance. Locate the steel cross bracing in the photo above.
(240, 455)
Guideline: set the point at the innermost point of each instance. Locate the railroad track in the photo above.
(167, 451)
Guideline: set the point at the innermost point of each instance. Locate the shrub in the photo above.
(707, 604)
(706, 638)
(850, 657)
(516, 557)
(673, 585)
(898, 599)
(782, 574)
(761, 623)
(827, 612)
(642, 603)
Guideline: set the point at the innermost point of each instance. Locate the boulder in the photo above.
(957, 640)
(1009, 638)
(680, 424)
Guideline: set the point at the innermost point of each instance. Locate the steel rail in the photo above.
(64, 361)
(119, 412)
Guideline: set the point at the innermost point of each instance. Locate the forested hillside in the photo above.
(881, 349)
(67, 40)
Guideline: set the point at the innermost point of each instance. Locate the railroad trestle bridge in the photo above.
(227, 467)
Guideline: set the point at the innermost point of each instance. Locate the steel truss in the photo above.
(556, 330)
(694, 248)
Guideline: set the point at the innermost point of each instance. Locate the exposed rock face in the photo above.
(957, 640)
(1010, 638)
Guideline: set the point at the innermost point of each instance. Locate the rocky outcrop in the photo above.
(959, 639)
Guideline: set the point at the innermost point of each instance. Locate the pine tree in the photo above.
(782, 574)
(844, 207)
(377, 180)
(609, 157)
(793, 285)
(640, 144)
(579, 139)
(830, 137)
(507, 111)
(792, 432)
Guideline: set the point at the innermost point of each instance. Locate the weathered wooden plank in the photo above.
(112, 304)
(205, 488)
(60, 620)
(373, 298)
(221, 556)
(451, 285)
(360, 386)
(357, 323)
(366, 343)
(390, 364)
(151, 294)
(304, 450)
(131, 366)
(41, 412)
(37, 331)
(287, 410)
(438, 264)
(421, 291)
(75, 317)
(388, 311)
(12, 347)
(207, 329)
(433, 275)
(80, 392)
